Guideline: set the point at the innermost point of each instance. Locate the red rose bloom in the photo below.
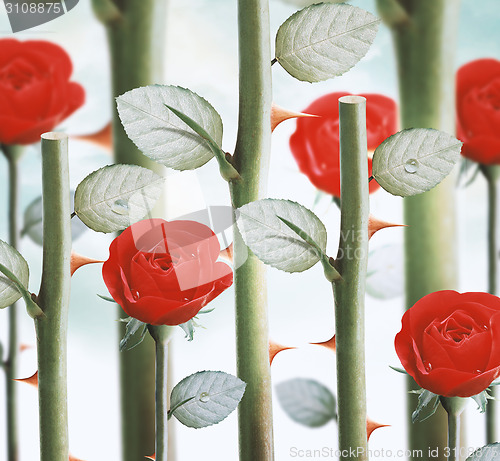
(35, 91)
(450, 342)
(163, 273)
(315, 143)
(478, 110)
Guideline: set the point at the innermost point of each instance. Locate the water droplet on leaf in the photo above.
(411, 166)
(204, 397)
(120, 207)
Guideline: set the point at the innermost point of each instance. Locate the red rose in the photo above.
(478, 110)
(163, 273)
(35, 91)
(450, 342)
(315, 143)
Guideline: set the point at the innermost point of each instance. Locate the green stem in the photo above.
(136, 31)
(51, 329)
(454, 406)
(12, 154)
(425, 49)
(492, 174)
(251, 160)
(350, 291)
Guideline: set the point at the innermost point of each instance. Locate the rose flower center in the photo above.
(490, 95)
(16, 76)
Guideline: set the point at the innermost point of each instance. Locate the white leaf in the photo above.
(324, 40)
(385, 273)
(490, 452)
(114, 197)
(415, 160)
(163, 136)
(306, 401)
(273, 242)
(209, 396)
(13, 261)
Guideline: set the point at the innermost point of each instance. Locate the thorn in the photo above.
(103, 138)
(330, 344)
(78, 261)
(72, 458)
(371, 426)
(153, 456)
(275, 349)
(24, 347)
(227, 253)
(278, 115)
(32, 380)
(375, 224)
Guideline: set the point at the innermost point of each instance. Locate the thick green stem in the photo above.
(425, 48)
(12, 154)
(161, 336)
(350, 291)
(454, 406)
(492, 174)
(51, 329)
(136, 31)
(251, 160)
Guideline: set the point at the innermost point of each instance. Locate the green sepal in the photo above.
(425, 397)
(399, 370)
(227, 170)
(109, 300)
(331, 273)
(482, 400)
(135, 332)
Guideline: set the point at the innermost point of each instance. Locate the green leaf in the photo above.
(273, 242)
(112, 198)
(385, 274)
(324, 40)
(33, 227)
(163, 136)
(425, 397)
(415, 160)
(134, 334)
(490, 452)
(306, 401)
(206, 398)
(399, 370)
(17, 266)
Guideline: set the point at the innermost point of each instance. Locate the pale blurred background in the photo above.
(202, 55)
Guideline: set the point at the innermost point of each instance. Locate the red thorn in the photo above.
(24, 347)
(32, 380)
(103, 138)
(330, 344)
(375, 224)
(227, 253)
(278, 115)
(78, 261)
(275, 349)
(153, 456)
(72, 458)
(371, 426)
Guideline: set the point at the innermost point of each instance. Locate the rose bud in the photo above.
(164, 273)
